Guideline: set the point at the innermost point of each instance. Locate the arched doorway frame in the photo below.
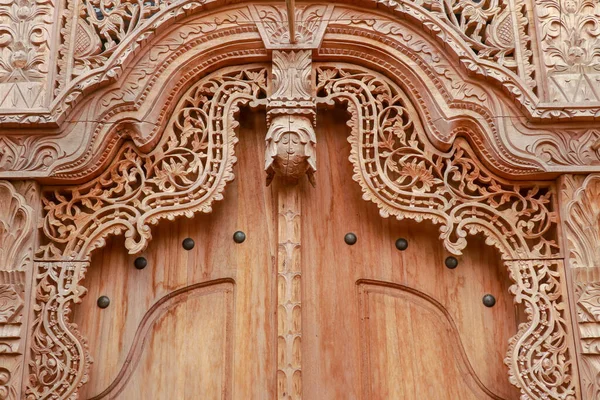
(540, 348)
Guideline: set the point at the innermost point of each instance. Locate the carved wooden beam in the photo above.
(291, 116)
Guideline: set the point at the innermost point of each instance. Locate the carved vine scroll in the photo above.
(184, 174)
(407, 178)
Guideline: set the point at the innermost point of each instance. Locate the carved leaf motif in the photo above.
(407, 178)
(588, 302)
(185, 173)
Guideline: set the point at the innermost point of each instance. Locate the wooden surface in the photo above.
(186, 348)
(420, 334)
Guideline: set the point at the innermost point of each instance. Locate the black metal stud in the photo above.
(188, 243)
(401, 244)
(239, 237)
(103, 301)
(140, 263)
(451, 262)
(489, 300)
(350, 238)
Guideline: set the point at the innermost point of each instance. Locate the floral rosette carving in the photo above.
(538, 356)
(184, 174)
(408, 179)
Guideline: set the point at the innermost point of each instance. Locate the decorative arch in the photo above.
(397, 166)
(149, 161)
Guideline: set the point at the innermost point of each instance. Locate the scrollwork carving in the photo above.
(539, 356)
(184, 174)
(408, 179)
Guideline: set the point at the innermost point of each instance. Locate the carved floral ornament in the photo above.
(99, 39)
(396, 166)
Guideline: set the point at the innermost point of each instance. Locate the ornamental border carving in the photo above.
(484, 52)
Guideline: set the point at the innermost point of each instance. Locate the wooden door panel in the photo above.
(412, 348)
(331, 269)
(158, 366)
(248, 206)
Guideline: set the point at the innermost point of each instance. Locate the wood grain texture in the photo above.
(331, 318)
(185, 330)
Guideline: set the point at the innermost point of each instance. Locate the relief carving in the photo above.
(291, 116)
(570, 31)
(581, 208)
(25, 31)
(18, 220)
(407, 178)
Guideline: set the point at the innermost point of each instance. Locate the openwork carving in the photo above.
(494, 30)
(407, 178)
(184, 174)
(539, 357)
(59, 359)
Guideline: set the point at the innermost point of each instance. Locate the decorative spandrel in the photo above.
(408, 178)
(185, 173)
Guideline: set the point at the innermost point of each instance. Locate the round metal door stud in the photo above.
(350, 238)
(401, 244)
(489, 300)
(451, 262)
(103, 301)
(239, 237)
(140, 263)
(188, 243)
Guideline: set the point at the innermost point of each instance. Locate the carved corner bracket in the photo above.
(401, 172)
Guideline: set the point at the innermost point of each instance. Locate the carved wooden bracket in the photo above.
(291, 117)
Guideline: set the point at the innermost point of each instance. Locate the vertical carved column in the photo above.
(19, 209)
(580, 207)
(289, 296)
(290, 154)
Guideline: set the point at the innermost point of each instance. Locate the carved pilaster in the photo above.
(289, 296)
(580, 197)
(19, 208)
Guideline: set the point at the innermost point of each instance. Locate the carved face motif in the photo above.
(289, 145)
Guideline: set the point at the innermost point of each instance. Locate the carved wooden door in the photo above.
(376, 322)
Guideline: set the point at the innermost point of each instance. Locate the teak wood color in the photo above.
(321, 132)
